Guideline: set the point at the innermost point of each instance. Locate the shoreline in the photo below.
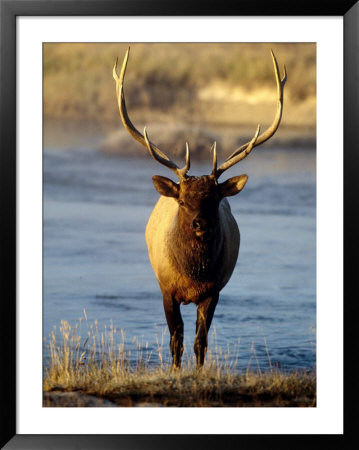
(187, 388)
(112, 138)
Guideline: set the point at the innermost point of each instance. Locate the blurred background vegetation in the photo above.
(193, 92)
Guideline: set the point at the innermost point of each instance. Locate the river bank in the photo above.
(188, 389)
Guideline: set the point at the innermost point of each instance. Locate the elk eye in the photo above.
(181, 202)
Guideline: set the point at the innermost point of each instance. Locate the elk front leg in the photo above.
(205, 311)
(175, 325)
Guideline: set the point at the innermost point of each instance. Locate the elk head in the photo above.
(199, 197)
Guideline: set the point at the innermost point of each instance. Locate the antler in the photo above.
(231, 162)
(239, 154)
(155, 152)
(181, 173)
(274, 126)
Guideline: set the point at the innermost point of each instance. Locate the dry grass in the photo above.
(98, 369)
(203, 83)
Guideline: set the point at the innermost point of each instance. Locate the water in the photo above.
(95, 257)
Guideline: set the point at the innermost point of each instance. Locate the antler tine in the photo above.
(186, 168)
(269, 132)
(122, 106)
(214, 166)
(181, 173)
(235, 159)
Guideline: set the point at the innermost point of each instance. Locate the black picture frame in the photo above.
(9, 10)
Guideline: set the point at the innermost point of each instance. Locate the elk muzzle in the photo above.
(203, 228)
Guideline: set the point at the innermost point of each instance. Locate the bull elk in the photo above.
(192, 237)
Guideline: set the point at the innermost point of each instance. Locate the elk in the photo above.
(191, 235)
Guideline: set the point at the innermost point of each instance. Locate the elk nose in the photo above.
(199, 224)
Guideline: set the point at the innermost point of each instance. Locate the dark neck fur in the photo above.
(197, 259)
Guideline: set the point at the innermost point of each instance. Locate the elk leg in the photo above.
(205, 312)
(175, 325)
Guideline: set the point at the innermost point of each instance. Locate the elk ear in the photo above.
(233, 185)
(165, 186)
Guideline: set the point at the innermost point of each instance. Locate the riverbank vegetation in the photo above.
(100, 371)
(206, 86)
